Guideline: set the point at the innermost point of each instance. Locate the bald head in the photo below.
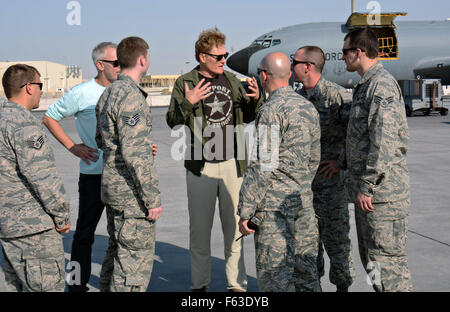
(277, 65)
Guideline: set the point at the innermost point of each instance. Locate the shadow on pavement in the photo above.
(171, 267)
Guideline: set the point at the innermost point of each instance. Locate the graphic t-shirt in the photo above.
(218, 108)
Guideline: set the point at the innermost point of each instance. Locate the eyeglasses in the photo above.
(295, 62)
(113, 63)
(345, 51)
(40, 84)
(218, 57)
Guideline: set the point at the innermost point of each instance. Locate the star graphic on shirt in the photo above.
(216, 106)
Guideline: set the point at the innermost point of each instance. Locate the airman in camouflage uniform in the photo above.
(277, 189)
(2, 102)
(332, 102)
(130, 187)
(377, 142)
(32, 208)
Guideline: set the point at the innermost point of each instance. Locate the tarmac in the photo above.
(428, 243)
(154, 99)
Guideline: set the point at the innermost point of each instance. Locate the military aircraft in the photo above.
(409, 50)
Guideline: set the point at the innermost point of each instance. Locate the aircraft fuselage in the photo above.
(423, 50)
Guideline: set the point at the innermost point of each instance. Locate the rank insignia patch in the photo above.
(383, 102)
(36, 144)
(131, 121)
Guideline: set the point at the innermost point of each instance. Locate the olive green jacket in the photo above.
(182, 112)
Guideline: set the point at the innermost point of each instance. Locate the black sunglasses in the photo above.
(295, 62)
(218, 57)
(40, 84)
(113, 63)
(345, 51)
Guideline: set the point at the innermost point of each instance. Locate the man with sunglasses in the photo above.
(80, 102)
(376, 146)
(33, 205)
(213, 100)
(332, 103)
(277, 184)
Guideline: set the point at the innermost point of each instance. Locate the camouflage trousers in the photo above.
(382, 248)
(286, 253)
(34, 263)
(334, 227)
(128, 264)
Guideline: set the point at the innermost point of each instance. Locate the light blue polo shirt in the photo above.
(80, 102)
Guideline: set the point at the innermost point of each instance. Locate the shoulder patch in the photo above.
(36, 144)
(131, 121)
(383, 102)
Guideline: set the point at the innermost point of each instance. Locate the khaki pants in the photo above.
(217, 180)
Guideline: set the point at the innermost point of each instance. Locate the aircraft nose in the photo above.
(239, 60)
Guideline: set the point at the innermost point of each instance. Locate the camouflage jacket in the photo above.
(2, 102)
(333, 104)
(31, 193)
(377, 139)
(124, 133)
(288, 153)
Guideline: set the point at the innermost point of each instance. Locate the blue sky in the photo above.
(37, 30)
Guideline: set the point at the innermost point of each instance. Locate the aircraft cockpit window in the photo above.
(257, 42)
(266, 43)
(276, 42)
